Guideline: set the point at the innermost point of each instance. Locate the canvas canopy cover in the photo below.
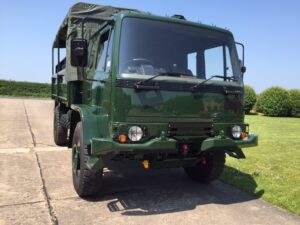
(94, 16)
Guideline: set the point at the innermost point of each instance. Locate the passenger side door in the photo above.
(101, 78)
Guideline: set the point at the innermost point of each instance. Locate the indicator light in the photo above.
(146, 164)
(122, 138)
(244, 135)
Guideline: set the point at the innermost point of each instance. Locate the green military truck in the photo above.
(162, 90)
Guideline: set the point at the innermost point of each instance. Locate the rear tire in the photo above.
(210, 167)
(59, 131)
(86, 182)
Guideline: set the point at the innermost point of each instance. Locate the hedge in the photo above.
(27, 89)
(295, 102)
(249, 99)
(274, 101)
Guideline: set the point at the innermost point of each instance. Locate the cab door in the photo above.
(100, 75)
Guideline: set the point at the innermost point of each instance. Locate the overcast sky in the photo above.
(269, 29)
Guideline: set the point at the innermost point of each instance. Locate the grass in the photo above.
(24, 89)
(271, 170)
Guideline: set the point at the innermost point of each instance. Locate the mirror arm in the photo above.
(243, 47)
(243, 68)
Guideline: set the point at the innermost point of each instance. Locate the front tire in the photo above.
(210, 167)
(86, 182)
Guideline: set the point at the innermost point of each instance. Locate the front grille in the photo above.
(190, 129)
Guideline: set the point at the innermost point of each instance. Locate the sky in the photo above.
(270, 31)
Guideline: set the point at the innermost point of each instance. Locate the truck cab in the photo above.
(162, 90)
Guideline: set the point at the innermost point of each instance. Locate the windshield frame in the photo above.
(237, 76)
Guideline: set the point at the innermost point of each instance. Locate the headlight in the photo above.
(135, 133)
(236, 131)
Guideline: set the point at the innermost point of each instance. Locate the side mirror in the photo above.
(243, 69)
(78, 52)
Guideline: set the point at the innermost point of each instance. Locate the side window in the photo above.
(229, 72)
(192, 62)
(102, 52)
(213, 61)
(92, 50)
(109, 52)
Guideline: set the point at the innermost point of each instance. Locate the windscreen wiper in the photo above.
(140, 84)
(194, 88)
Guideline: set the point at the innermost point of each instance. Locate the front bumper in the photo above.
(103, 146)
(225, 142)
(230, 145)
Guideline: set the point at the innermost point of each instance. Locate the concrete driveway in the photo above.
(36, 184)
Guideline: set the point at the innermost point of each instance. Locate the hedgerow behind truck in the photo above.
(162, 90)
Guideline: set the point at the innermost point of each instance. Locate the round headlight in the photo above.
(236, 131)
(135, 133)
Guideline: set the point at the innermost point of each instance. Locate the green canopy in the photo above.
(94, 17)
(79, 11)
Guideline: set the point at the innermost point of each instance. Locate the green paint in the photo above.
(173, 114)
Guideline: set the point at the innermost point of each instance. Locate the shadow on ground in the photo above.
(244, 181)
(133, 191)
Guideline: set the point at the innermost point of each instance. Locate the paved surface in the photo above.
(36, 185)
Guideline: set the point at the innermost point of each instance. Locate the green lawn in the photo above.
(271, 170)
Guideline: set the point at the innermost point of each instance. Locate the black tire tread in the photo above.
(213, 171)
(60, 132)
(90, 181)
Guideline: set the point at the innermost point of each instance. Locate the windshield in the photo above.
(151, 48)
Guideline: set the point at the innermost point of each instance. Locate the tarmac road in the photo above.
(36, 184)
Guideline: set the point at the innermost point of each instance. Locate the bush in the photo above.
(249, 99)
(274, 101)
(26, 89)
(295, 102)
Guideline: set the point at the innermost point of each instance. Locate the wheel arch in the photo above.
(91, 121)
(74, 118)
